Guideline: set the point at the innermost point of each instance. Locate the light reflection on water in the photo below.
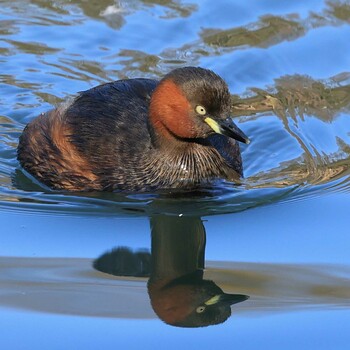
(55, 286)
(287, 67)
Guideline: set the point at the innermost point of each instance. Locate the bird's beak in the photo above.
(227, 299)
(233, 298)
(228, 128)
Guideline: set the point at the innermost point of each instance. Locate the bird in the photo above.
(137, 135)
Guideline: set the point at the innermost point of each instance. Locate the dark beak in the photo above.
(232, 298)
(228, 128)
(227, 299)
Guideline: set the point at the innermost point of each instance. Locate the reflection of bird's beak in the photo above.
(228, 128)
(227, 299)
(233, 298)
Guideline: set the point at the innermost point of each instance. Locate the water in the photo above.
(281, 237)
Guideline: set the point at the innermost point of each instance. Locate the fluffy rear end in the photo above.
(46, 152)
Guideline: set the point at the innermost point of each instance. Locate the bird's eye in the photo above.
(200, 110)
(200, 309)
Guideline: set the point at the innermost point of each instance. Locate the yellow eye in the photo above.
(200, 309)
(200, 110)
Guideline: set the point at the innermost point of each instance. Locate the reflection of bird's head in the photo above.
(191, 302)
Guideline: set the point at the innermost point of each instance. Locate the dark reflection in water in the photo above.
(178, 293)
(298, 95)
(298, 101)
(134, 60)
(270, 30)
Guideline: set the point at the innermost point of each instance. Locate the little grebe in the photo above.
(137, 135)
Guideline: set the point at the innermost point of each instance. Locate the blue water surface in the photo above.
(281, 236)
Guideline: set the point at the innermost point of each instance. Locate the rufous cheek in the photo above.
(170, 110)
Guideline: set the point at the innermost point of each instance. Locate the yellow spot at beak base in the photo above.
(213, 124)
(213, 300)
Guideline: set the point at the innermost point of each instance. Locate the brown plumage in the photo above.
(137, 135)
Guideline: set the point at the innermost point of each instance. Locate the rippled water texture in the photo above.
(284, 240)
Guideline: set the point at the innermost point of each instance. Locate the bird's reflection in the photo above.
(178, 293)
